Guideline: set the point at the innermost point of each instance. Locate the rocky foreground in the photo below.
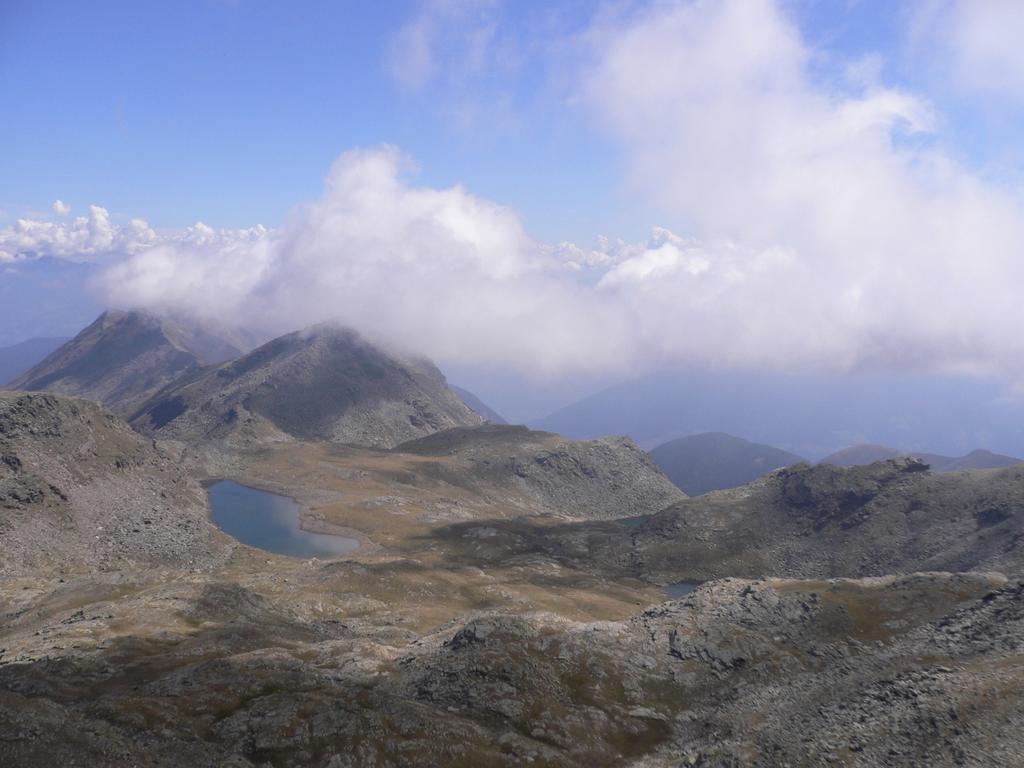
(496, 614)
(924, 669)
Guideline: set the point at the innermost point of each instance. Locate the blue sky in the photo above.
(232, 112)
(567, 188)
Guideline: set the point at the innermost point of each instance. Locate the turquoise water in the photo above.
(269, 521)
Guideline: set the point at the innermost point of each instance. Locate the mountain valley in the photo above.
(493, 384)
(506, 604)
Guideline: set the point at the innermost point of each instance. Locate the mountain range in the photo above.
(807, 413)
(715, 461)
(516, 597)
(186, 379)
(858, 455)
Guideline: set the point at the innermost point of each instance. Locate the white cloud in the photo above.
(96, 238)
(85, 238)
(410, 57)
(852, 238)
(463, 59)
(61, 208)
(439, 271)
(453, 37)
(980, 40)
(826, 226)
(667, 255)
(456, 277)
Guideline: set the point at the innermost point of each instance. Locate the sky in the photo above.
(574, 191)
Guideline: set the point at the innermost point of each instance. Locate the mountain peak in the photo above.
(326, 382)
(124, 357)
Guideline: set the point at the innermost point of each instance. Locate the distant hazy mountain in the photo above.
(859, 455)
(714, 460)
(980, 459)
(477, 405)
(123, 358)
(324, 383)
(46, 298)
(17, 359)
(806, 413)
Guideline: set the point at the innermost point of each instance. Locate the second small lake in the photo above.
(270, 521)
(680, 588)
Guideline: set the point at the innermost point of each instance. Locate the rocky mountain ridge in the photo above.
(80, 490)
(123, 358)
(818, 521)
(540, 472)
(324, 383)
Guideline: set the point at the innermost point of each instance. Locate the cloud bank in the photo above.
(95, 238)
(436, 270)
(86, 238)
(826, 226)
(860, 240)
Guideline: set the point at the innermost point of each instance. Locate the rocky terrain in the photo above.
(505, 605)
(324, 383)
(889, 517)
(712, 461)
(124, 358)
(917, 670)
(543, 473)
(79, 490)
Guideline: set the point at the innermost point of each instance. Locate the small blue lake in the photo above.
(680, 589)
(270, 521)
